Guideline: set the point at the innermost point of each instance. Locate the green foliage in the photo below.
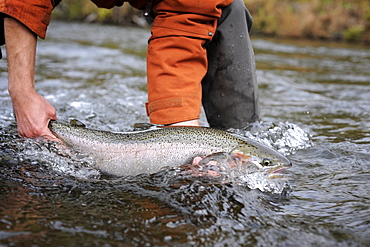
(74, 10)
(71, 10)
(354, 34)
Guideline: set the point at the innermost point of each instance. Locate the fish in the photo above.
(148, 151)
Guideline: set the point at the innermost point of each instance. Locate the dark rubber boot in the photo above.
(230, 90)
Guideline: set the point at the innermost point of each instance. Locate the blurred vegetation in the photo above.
(85, 10)
(347, 20)
(342, 20)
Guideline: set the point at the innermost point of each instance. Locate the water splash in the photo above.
(286, 137)
(48, 156)
(259, 181)
(223, 172)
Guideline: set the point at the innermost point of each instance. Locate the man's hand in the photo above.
(32, 111)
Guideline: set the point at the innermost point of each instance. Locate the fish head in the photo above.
(261, 158)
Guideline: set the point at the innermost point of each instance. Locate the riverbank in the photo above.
(340, 20)
(337, 20)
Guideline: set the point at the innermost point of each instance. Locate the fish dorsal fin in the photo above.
(143, 126)
(77, 123)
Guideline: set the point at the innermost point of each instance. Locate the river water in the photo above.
(315, 107)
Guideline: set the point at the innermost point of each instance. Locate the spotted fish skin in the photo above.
(133, 153)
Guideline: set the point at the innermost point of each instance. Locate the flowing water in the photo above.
(315, 106)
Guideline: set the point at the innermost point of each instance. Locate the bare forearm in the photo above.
(32, 111)
(21, 51)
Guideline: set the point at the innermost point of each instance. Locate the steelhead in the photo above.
(133, 153)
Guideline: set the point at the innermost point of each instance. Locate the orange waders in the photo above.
(177, 59)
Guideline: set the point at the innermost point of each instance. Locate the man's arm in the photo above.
(32, 111)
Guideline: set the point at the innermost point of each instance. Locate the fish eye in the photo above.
(266, 162)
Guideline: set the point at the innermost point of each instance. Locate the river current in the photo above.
(315, 109)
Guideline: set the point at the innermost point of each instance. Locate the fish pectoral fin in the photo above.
(219, 157)
(77, 123)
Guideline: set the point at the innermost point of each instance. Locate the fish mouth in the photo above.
(275, 171)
